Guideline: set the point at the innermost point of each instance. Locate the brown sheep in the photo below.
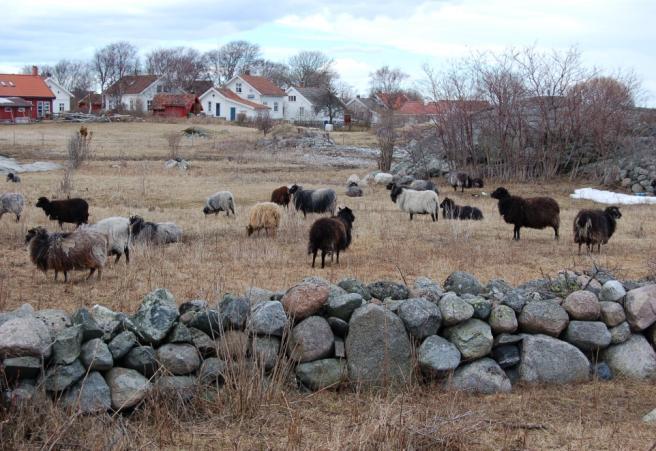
(534, 212)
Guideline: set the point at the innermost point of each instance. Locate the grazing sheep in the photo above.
(12, 203)
(75, 211)
(63, 252)
(117, 231)
(452, 211)
(220, 201)
(331, 235)
(383, 178)
(411, 183)
(353, 178)
(14, 178)
(477, 183)
(314, 200)
(154, 233)
(460, 180)
(281, 196)
(416, 202)
(534, 212)
(265, 215)
(353, 190)
(595, 227)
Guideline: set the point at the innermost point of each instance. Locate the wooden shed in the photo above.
(176, 105)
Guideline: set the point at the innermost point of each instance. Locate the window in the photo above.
(275, 106)
(21, 110)
(251, 96)
(209, 107)
(301, 111)
(131, 104)
(159, 88)
(291, 98)
(149, 105)
(39, 108)
(7, 109)
(238, 87)
(61, 107)
(46, 107)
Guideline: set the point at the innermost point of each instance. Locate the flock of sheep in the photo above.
(89, 246)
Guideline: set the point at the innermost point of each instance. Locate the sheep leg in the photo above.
(99, 273)
(411, 216)
(556, 231)
(314, 257)
(580, 248)
(65, 276)
(56, 274)
(91, 271)
(516, 233)
(323, 258)
(17, 218)
(126, 251)
(338, 257)
(232, 207)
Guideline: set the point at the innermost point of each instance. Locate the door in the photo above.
(218, 110)
(233, 113)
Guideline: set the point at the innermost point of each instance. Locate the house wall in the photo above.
(272, 101)
(215, 97)
(249, 93)
(62, 101)
(12, 113)
(299, 110)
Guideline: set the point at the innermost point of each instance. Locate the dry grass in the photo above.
(217, 256)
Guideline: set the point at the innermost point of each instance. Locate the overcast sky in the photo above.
(360, 35)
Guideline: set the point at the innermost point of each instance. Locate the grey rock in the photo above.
(640, 307)
(462, 282)
(95, 355)
(67, 345)
(267, 318)
(16, 368)
(142, 359)
(612, 313)
(208, 321)
(515, 299)
(635, 358)
(497, 288)
(454, 310)
(482, 376)
(543, 317)
(503, 320)
(321, 374)
(582, 305)
(311, 339)
(127, 386)
(195, 305)
(473, 338)
(355, 286)
(90, 327)
(264, 350)
(378, 355)
(338, 326)
(427, 289)
(21, 312)
(232, 345)
(59, 377)
(109, 321)
(482, 306)
(212, 371)
(23, 337)
(612, 291)
(547, 360)
(620, 333)
(89, 395)
(420, 317)
(255, 295)
(55, 320)
(156, 316)
(234, 311)
(122, 343)
(507, 339)
(340, 348)
(205, 345)
(384, 289)
(343, 306)
(602, 371)
(588, 335)
(22, 393)
(437, 355)
(506, 355)
(178, 359)
(392, 305)
(180, 387)
(180, 334)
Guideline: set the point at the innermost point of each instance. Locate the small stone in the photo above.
(110, 322)
(588, 335)
(156, 316)
(255, 295)
(95, 355)
(437, 356)
(507, 339)
(355, 286)
(55, 320)
(212, 371)
(90, 327)
(60, 377)
(127, 386)
(506, 355)
(180, 387)
(462, 282)
(420, 317)
(602, 371)
(454, 310)
(542, 317)
(267, 318)
(612, 313)
(582, 305)
(312, 339)
(122, 343)
(343, 306)
(620, 333)
(16, 368)
(503, 320)
(264, 350)
(179, 334)
(67, 345)
(515, 299)
(234, 311)
(196, 305)
(305, 299)
(650, 417)
(340, 348)
(205, 345)
(321, 374)
(612, 291)
(178, 359)
(338, 326)
(208, 321)
(24, 337)
(142, 359)
(482, 306)
(473, 338)
(482, 376)
(384, 289)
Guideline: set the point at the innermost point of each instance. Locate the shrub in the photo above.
(79, 147)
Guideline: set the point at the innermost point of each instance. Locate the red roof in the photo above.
(235, 98)
(14, 85)
(132, 84)
(263, 85)
(160, 101)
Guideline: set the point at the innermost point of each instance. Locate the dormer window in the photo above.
(238, 87)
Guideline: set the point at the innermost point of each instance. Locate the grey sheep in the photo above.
(12, 203)
(220, 201)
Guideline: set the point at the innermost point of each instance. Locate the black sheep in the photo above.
(477, 183)
(534, 212)
(595, 227)
(331, 235)
(452, 211)
(11, 177)
(75, 211)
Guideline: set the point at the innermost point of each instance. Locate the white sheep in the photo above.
(353, 178)
(117, 230)
(416, 202)
(383, 178)
(265, 215)
(12, 203)
(220, 201)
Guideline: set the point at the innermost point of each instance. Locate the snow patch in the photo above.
(609, 197)
(11, 165)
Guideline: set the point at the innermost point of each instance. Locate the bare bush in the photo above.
(263, 122)
(387, 135)
(79, 147)
(174, 140)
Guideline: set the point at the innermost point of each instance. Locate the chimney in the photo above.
(358, 96)
(35, 71)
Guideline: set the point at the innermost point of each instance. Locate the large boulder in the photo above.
(481, 376)
(95, 355)
(305, 299)
(212, 371)
(588, 335)
(142, 359)
(343, 306)
(547, 360)
(178, 359)
(16, 368)
(473, 338)
(384, 289)
(421, 317)
(311, 339)
(454, 310)
(156, 316)
(515, 299)
(462, 282)
(427, 289)
(321, 374)
(437, 355)
(109, 321)
(24, 336)
(503, 320)
(378, 347)
(543, 317)
(506, 355)
(122, 343)
(59, 377)
(355, 286)
(612, 291)
(640, 307)
(127, 386)
(54, 319)
(67, 345)
(89, 395)
(255, 295)
(582, 305)
(634, 358)
(612, 313)
(90, 327)
(208, 321)
(267, 318)
(234, 311)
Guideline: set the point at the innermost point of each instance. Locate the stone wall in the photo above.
(467, 335)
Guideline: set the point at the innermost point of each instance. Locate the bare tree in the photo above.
(179, 66)
(263, 122)
(388, 85)
(330, 102)
(278, 73)
(113, 62)
(231, 59)
(311, 69)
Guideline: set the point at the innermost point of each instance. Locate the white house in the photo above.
(62, 101)
(135, 92)
(225, 104)
(260, 90)
(309, 105)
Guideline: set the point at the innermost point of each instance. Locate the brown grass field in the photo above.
(127, 177)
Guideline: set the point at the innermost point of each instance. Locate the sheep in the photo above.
(331, 235)
(220, 201)
(12, 203)
(63, 252)
(460, 180)
(353, 190)
(265, 215)
(154, 233)
(383, 178)
(74, 211)
(281, 196)
(595, 227)
(417, 185)
(534, 212)
(477, 183)
(14, 178)
(353, 178)
(416, 202)
(118, 233)
(452, 211)
(314, 201)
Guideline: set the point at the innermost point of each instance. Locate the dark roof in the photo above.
(369, 102)
(315, 95)
(235, 98)
(15, 85)
(131, 84)
(93, 96)
(14, 102)
(263, 85)
(162, 100)
(199, 86)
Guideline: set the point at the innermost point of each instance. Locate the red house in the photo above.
(31, 88)
(15, 109)
(176, 105)
(90, 103)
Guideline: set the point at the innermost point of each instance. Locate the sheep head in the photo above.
(294, 188)
(42, 202)
(613, 212)
(36, 231)
(500, 193)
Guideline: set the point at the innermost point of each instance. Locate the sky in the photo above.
(360, 36)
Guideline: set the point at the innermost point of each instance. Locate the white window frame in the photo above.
(237, 87)
(149, 105)
(21, 109)
(61, 107)
(131, 104)
(275, 106)
(7, 109)
(301, 111)
(291, 98)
